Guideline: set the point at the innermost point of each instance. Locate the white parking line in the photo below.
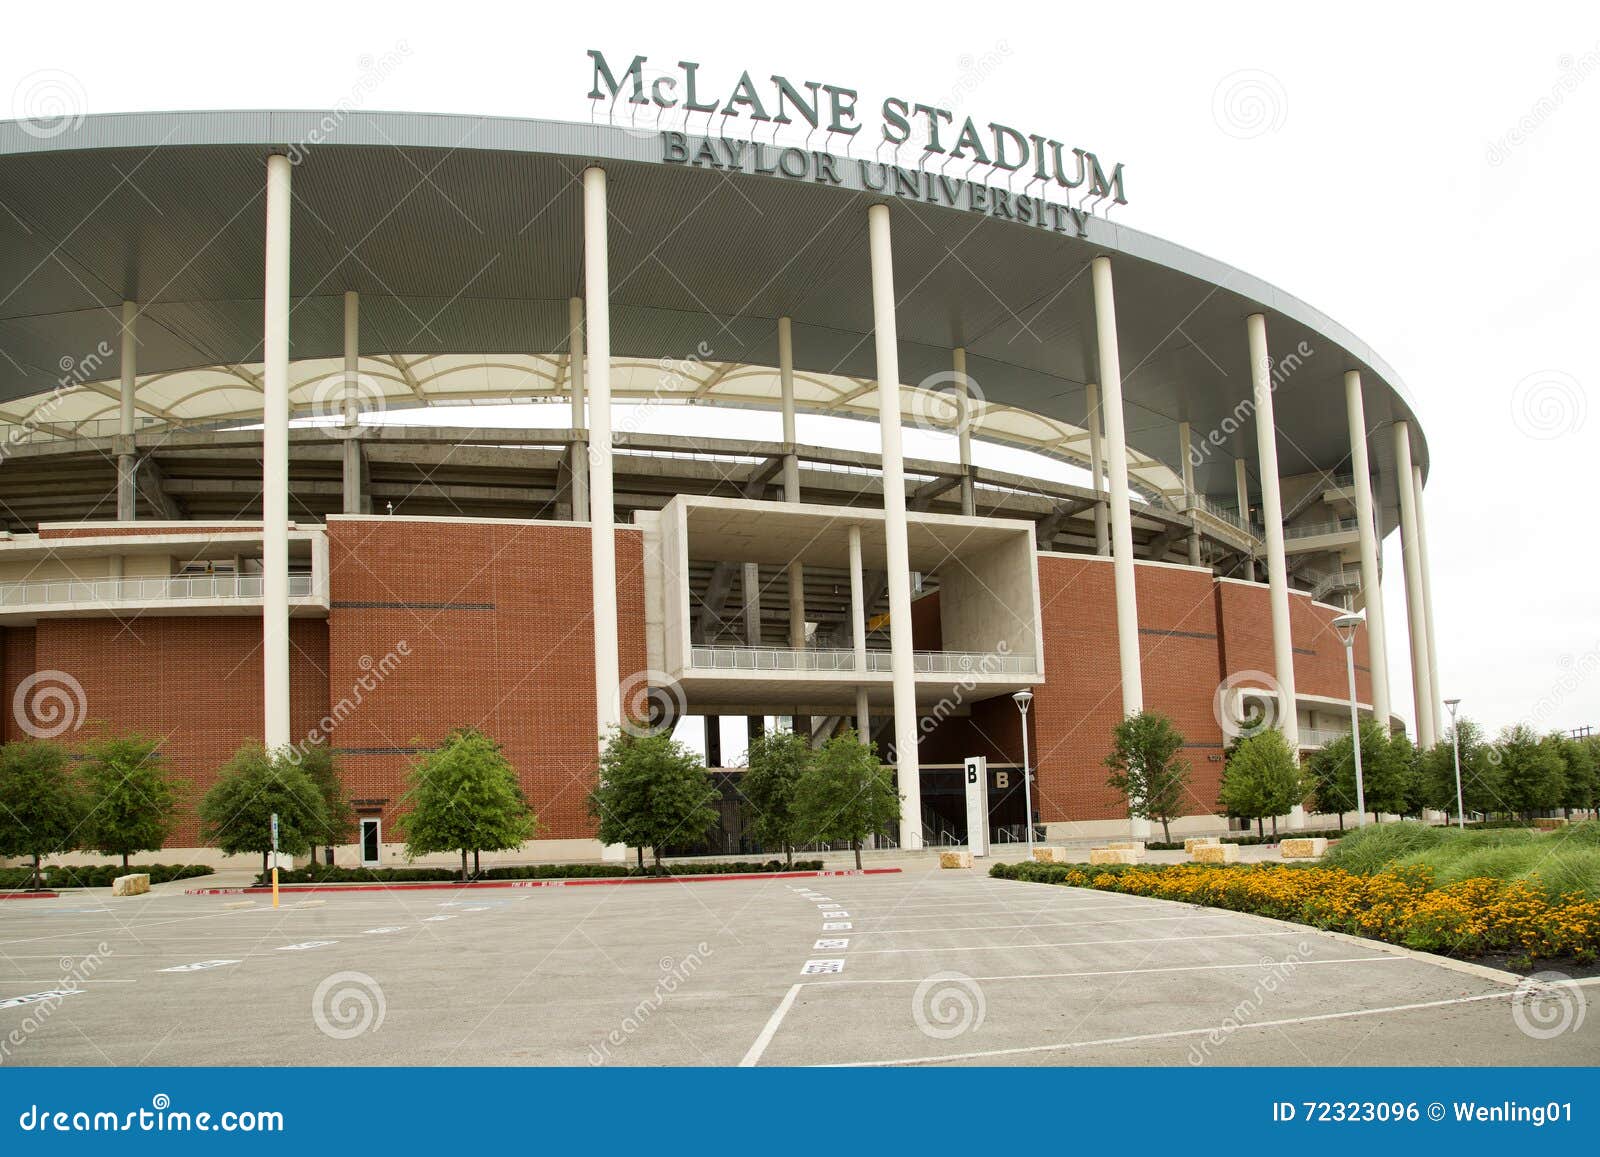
(1018, 946)
(1061, 1046)
(753, 1055)
(1112, 971)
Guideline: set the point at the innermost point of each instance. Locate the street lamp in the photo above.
(1455, 747)
(1346, 626)
(1023, 699)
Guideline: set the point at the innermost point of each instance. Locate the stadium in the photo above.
(227, 514)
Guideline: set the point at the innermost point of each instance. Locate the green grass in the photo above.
(1558, 863)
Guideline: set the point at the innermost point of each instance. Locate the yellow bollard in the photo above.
(274, 885)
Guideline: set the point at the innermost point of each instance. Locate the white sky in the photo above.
(1370, 191)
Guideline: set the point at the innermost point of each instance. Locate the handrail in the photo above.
(719, 657)
(1337, 526)
(54, 592)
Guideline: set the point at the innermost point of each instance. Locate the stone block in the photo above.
(1051, 856)
(1193, 842)
(1216, 854)
(1126, 845)
(955, 859)
(136, 884)
(1303, 849)
(1113, 856)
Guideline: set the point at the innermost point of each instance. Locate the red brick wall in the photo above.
(1319, 664)
(1180, 655)
(16, 664)
(193, 683)
(497, 619)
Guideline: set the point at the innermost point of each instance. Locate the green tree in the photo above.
(1261, 778)
(1148, 770)
(42, 805)
(1532, 772)
(236, 814)
(464, 797)
(1582, 789)
(846, 794)
(323, 770)
(777, 761)
(1389, 772)
(132, 799)
(1480, 772)
(652, 793)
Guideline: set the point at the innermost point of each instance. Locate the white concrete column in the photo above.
(275, 458)
(750, 592)
(1416, 605)
(578, 452)
(602, 532)
(958, 365)
(1434, 693)
(350, 405)
(1105, 317)
(898, 562)
(791, 479)
(858, 633)
(1367, 528)
(1272, 519)
(1097, 458)
(1241, 487)
(1185, 457)
(127, 461)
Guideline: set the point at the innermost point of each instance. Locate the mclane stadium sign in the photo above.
(833, 109)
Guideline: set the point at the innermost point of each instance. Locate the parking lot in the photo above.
(915, 967)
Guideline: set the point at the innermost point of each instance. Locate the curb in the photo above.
(553, 882)
(30, 895)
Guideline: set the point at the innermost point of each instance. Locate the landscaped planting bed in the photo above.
(98, 875)
(334, 875)
(1470, 918)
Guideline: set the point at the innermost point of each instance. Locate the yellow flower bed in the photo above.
(1468, 918)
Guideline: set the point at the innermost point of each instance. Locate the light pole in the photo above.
(1022, 699)
(1346, 626)
(1455, 748)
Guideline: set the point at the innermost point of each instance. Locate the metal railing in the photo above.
(115, 592)
(824, 659)
(1322, 736)
(1337, 526)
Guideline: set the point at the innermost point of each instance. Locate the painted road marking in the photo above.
(836, 926)
(384, 931)
(835, 914)
(841, 942)
(761, 1042)
(307, 945)
(1018, 947)
(819, 967)
(436, 919)
(199, 966)
(474, 909)
(37, 997)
